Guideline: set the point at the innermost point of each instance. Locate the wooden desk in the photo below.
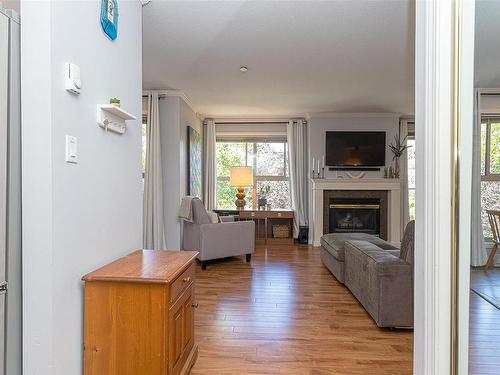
(264, 220)
(139, 315)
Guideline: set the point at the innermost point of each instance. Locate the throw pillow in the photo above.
(214, 218)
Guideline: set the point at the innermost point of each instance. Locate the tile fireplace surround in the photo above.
(324, 189)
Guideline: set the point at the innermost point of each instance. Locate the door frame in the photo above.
(443, 115)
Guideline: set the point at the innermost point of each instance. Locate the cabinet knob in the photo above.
(186, 279)
(195, 305)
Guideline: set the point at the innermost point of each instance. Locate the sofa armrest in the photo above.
(382, 282)
(227, 239)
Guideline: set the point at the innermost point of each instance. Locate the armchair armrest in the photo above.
(227, 239)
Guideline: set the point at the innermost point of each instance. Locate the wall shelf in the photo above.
(113, 118)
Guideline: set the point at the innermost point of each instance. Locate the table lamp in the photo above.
(241, 177)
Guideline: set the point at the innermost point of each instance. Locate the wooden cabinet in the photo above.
(139, 315)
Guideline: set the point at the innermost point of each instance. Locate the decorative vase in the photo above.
(396, 167)
(262, 202)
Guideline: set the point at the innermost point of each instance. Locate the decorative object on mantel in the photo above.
(397, 148)
(241, 177)
(355, 177)
(386, 172)
(113, 118)
(319, 172)
(114, 101)
(109, 18)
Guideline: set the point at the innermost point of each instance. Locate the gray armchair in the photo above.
(383, 280)
(219, 240)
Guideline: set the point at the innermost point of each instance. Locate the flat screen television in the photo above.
(355, 149)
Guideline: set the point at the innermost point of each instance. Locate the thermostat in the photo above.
(73, 80)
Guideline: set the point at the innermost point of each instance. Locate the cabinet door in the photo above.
(181, 331)
(188, 328)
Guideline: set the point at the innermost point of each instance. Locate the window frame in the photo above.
(253, 141)
(488, 119)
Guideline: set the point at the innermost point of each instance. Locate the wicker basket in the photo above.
(281, 231)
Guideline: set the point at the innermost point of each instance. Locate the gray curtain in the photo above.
(153, 220)
(297, 161)
(478, 249)
(403, 178)
(210, 169)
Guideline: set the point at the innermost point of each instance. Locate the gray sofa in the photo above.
(219, 240)
(333, 250)
(378, 274)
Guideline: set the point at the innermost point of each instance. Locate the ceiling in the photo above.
(303, 56)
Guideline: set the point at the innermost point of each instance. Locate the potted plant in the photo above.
(398, 147)
(263, 192)
(114, 101)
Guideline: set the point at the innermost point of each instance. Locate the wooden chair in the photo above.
(494, 218)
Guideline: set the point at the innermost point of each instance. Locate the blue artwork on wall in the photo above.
(109, 18)
(194, 163)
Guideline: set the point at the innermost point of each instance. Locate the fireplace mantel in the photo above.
(392, 186)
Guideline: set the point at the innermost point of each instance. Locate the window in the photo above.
(144, 146)
(411, 175)
(490, 169)
(270, 166)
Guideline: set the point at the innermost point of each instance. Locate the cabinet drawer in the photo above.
(182, 282)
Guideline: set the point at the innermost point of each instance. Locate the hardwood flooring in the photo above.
(284, 313)
(484, 320)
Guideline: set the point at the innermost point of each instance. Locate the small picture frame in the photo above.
(109, 18)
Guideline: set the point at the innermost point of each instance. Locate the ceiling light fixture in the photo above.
(243, 69)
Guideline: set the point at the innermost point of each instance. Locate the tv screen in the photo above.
(355, 149)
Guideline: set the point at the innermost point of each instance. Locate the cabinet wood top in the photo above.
(145, 266)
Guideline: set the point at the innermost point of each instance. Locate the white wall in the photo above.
(175, 117)
(76, 217)
(319, 124)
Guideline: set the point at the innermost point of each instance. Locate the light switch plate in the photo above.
(71, 149)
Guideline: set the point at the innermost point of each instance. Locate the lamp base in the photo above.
(240, 199)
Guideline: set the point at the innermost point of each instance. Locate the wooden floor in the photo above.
(286, 314)
(484, 338)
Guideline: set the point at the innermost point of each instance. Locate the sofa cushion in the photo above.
(334, 243)
(408, 243)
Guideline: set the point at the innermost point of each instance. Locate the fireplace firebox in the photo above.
(360, 215)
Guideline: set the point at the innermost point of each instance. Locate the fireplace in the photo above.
(362, 211)
(360, 215)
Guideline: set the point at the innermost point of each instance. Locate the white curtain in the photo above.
(153, 220)
(478, 249)
(210, 177)
(297, 161)
(403, 178)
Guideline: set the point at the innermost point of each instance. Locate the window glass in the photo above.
(229, 154)
(484, 130)
(490, 200)
(495, 148)
(269, 163)
(411, 176)
(490, 169)
(278, 193)
(270, 159)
